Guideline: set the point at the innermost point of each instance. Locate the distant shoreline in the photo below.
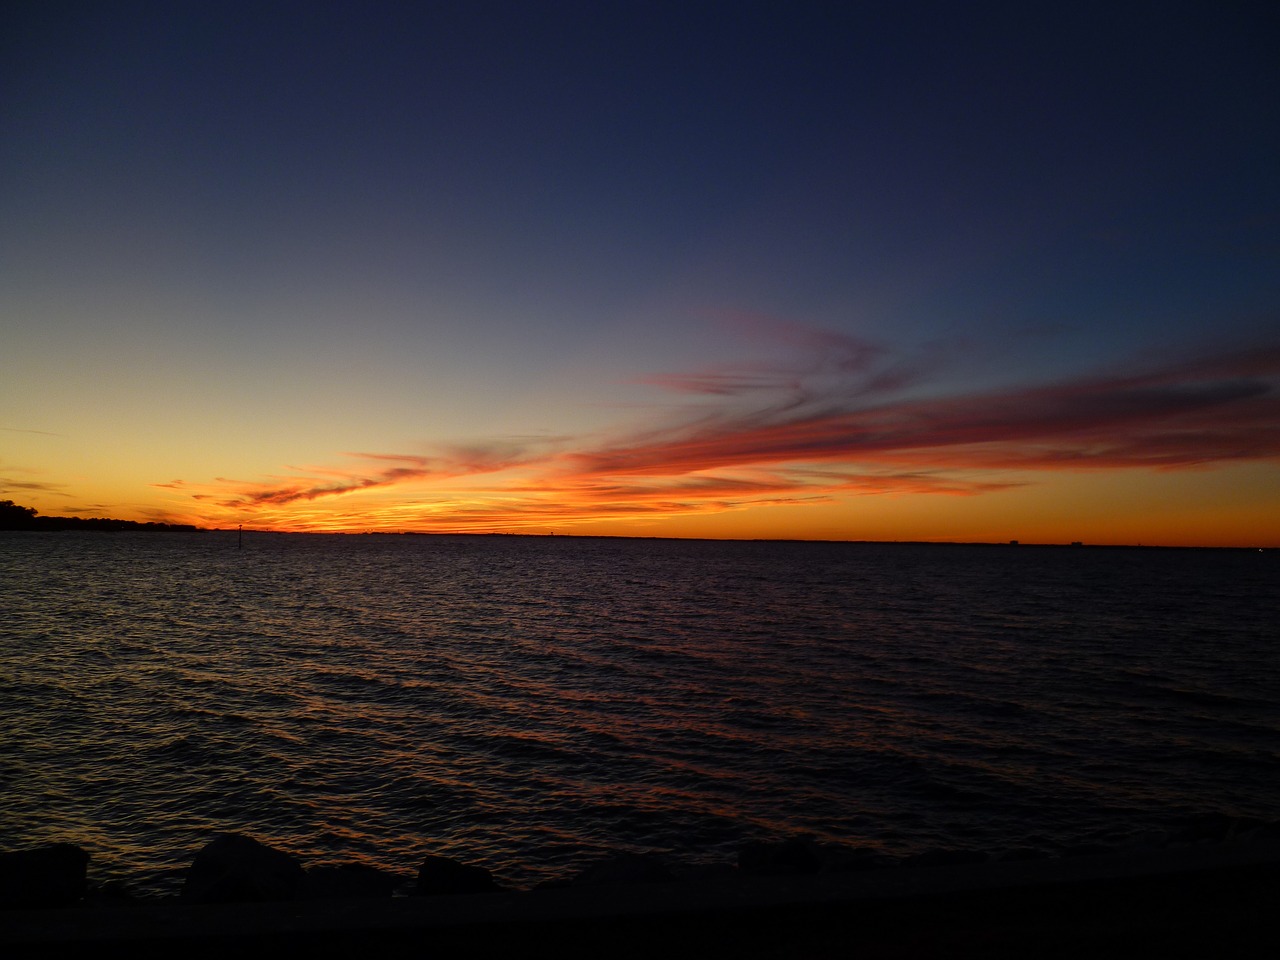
(16, 517)
(100, 525)
(104, 525)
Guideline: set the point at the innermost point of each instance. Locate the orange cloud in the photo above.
(806, 432)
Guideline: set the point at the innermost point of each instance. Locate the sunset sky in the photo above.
(918, 271)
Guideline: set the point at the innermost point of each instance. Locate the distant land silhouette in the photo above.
(16, 517)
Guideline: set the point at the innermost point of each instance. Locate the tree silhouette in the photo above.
(16, 517)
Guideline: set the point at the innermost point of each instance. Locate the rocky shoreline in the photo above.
(234, 868)
(1218, 872)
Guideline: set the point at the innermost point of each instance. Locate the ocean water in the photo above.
(529, 704)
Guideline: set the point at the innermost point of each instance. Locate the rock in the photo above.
(1147, 840)
(1215, 828)
(234, 868)
(49, 876)
(444, 876)
(1022, 854)
(111, 893)
(349, 880)
(945, 858)
(621, 868)
(845, 859)
(779, 858)
(1088, 850)
(713, 872)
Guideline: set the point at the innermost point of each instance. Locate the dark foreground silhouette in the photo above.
(1194, 898)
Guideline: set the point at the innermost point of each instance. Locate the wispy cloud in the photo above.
(312, 487)
(841, 418)
(8, 483)
(804, 359)
(365, 472)
(1181, 414)
(38, 433)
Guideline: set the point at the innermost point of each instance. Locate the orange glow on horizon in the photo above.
(1209, 508)
(1181, 454)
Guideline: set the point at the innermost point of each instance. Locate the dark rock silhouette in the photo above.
(444, 876)
(838, 858)
(1088, 850)
(234, 868)
(623, 868)
(1215, 828)
(795, 855)
(946, 858)
(349, 880)
(1023, 854)
(49, 876)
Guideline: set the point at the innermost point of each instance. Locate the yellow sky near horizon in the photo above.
(1234, 505)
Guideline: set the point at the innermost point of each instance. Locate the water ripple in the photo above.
(526, 703)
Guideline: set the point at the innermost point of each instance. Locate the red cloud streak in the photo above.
(1215, 410)
(849, 435)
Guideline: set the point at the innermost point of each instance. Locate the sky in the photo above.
(918, 271)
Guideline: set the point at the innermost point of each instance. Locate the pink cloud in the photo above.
(1208, 410)
(808, 431)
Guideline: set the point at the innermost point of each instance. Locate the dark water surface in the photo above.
(528, 703)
